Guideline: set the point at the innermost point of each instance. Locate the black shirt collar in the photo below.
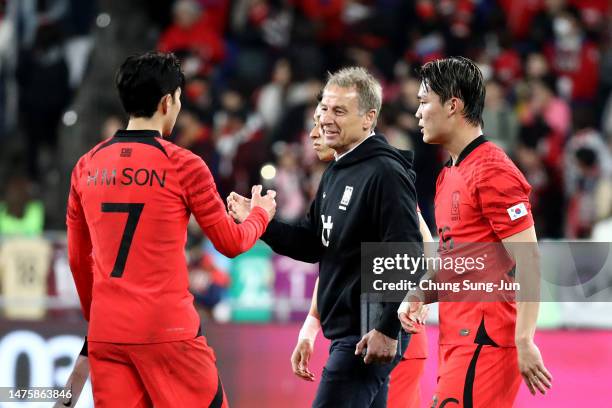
(467, 150)
(137, 133)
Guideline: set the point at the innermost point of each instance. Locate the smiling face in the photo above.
(323, 152)
(343, 124)
(433, 116)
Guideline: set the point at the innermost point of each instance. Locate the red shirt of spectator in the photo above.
(192, 31)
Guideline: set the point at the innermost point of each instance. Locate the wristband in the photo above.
(403, 308)
(84, 351)
(310, 328)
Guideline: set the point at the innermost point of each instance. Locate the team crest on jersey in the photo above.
(346, 197)
(455, 200)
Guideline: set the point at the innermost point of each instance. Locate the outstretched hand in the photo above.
(239, 207)
(413, 318)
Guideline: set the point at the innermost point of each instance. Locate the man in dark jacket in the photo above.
(366, 194)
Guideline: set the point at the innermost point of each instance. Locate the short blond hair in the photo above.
(369, 90)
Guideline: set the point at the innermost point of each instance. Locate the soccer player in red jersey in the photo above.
(130, 200)
(481, 196)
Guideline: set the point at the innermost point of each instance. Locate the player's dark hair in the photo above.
(457, 77)
(142, 80)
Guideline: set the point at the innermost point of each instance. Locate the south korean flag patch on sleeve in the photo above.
(517, 211)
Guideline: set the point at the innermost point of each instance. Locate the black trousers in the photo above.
(347, 382)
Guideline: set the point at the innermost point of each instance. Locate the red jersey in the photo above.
(130, 200)
(473, 204)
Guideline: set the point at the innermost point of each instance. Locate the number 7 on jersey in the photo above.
(134, 210)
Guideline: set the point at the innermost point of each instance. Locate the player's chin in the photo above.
(428, 137)
(325, 156)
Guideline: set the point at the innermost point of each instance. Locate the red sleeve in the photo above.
(203, 200)
(79, 246)
(504, 198)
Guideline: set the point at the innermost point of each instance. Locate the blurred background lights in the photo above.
(268, 172)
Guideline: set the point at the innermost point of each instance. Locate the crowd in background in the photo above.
(254, 69)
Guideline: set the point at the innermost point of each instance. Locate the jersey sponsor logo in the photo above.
(327, 227)
(517, 211)
(346, 197)
(129, 176)
(455, 199)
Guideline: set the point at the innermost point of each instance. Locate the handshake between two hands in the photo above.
(240, 207)
(412, 315)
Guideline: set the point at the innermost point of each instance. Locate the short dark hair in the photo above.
(142, 80)
(457, 77)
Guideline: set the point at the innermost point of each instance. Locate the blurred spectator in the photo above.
(194, 135)
(545, 104)
(8, 59)
(542, 29)
(79, 42)
(254, 69)
(273, 96)
(300, 96)
(574, 58)
(536, 66)
(36, 13)
(507, 65)
(42, 69)
(199, 98)
(501, 123)
(110, 126)
(216, 14)
(607, 121)
(207, 281)
(583, 203)
(325, 18)
(588, 176)
(545, 120)
(427, 160)
(194, 36)
(261, 23)
(291, 204)
(20, 213)
(602, 230)
(239, 141)
(546, 198)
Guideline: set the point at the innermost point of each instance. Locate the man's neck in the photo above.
(145, 124)
(352, 146)
(460, 140)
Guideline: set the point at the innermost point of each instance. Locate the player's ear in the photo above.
(368, 119)
(455, 106)
(165, 102)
